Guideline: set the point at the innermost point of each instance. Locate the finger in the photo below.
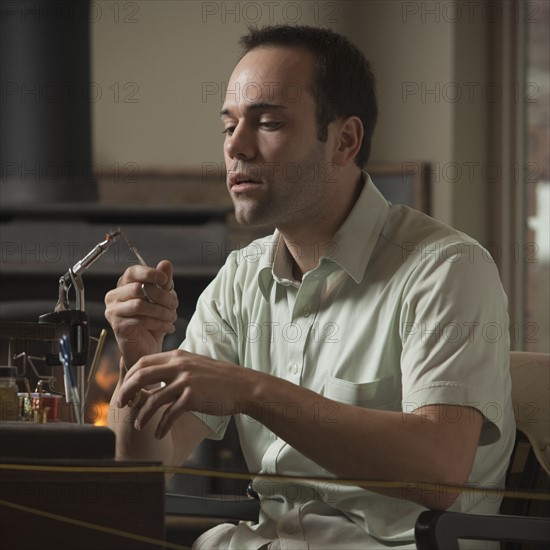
(156, 360)
(171, 413)
(139, 377)
(163, 360)
(142, 274)
(140, 308)
(139, 399)
(155, 400)
(124, 293)
(136, 299)
(158, 295)
(166, 267)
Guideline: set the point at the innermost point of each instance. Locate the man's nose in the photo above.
(241, 144)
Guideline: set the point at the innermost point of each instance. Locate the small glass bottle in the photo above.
(9, 401)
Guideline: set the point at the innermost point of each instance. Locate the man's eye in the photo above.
(229, 130)
(270, 125)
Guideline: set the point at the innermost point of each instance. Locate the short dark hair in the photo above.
(344, 83)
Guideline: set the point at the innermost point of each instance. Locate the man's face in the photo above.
(276, 166)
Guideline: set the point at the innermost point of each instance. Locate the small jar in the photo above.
(9, 401)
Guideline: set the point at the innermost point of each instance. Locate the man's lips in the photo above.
(240, 181)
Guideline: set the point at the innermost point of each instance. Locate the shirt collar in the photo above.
(351, 248)
(358, 235)
(275, 265)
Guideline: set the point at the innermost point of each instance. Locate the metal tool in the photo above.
(76, 320)
(73, 275)
(140, 259)
(71, 389)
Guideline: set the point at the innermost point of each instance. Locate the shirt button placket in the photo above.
(302, 310)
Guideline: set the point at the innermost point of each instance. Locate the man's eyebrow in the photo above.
(255, 107)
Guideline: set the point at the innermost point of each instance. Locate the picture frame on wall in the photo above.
(406, 183)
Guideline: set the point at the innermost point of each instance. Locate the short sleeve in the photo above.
(211, 332)
(454, 331)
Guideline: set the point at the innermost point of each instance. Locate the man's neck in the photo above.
(314, 238)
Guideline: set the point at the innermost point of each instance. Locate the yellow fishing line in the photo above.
(365, 484)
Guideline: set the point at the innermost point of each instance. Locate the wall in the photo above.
(412, 54)
(174, 60)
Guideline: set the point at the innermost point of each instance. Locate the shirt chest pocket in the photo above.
(377, 394)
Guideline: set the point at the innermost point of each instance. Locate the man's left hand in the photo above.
(191, 383)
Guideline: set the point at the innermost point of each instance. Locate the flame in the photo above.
(102, 411)
(106, 377)
(105, 380)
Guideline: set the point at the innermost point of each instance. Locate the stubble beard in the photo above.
(279, 206)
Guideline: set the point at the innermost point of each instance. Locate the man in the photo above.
(352, 343)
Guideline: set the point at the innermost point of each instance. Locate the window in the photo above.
(536, 189)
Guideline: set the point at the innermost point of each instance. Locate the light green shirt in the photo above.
(402, 311)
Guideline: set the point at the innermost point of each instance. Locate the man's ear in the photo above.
(349, 136)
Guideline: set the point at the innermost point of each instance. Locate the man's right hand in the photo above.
(139, 324)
